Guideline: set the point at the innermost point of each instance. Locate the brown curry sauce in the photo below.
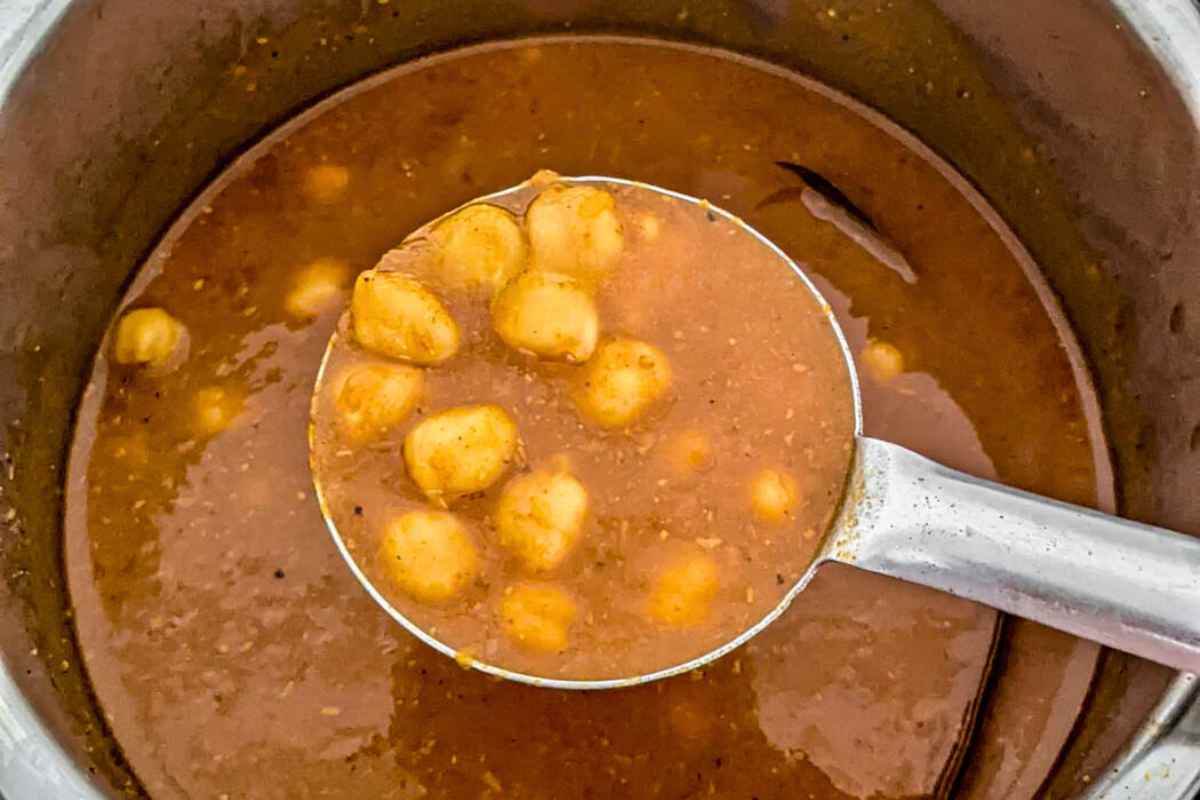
(234, 653)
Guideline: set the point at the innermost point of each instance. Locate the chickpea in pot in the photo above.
(882, 361)
(215, 408)
(326, 183)
(149, 337)
(317, 288)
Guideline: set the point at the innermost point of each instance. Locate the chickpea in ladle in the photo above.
(430, 555)
(540, 517)
(460, 451)
(394, 315)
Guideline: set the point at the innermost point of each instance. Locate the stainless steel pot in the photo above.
(112, 113)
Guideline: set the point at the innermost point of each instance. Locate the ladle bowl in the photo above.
(1124, 584)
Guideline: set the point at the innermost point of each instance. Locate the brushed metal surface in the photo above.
(1130, 586)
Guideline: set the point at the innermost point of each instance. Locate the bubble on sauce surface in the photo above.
(882, 361)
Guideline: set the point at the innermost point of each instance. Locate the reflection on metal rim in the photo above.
(32, 765)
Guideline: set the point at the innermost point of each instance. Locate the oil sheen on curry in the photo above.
(543, 468)
(235, 655)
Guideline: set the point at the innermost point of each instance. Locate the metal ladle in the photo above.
(1127, 585)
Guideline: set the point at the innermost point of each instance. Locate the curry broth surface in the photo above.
(231, 648)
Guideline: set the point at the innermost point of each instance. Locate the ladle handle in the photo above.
(1130, 586)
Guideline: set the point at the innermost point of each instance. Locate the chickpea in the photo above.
(131, 451)
(460, 450)
(538, 616)
(317, 288)
(430, 555)
(543, 178)
(148, 336)
(623, 379)
(882, 361)
(574, 230)
(540, 516)
(481, 246)
(690, 721)
(548, 315)
(684, 591)
(396, 316)
(649, 226)
(326, 183)
(689, 452)
(773, 495)
(375, 397)
(215, 408)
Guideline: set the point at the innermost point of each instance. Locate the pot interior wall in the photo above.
(128, 107)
